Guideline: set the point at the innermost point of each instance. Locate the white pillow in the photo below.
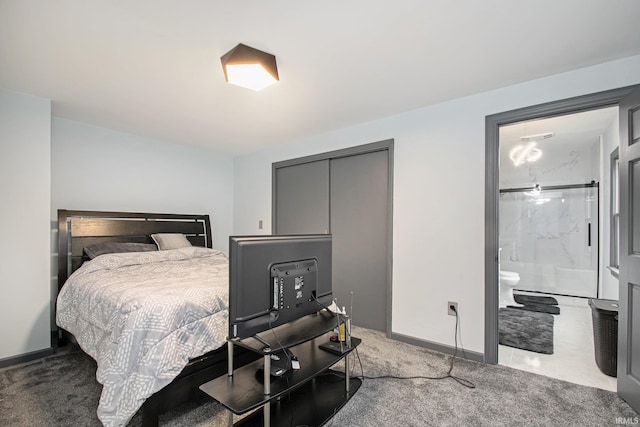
(166, 241)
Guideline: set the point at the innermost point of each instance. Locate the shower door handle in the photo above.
(589, 234)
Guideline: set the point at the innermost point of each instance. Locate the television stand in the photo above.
(307, 396)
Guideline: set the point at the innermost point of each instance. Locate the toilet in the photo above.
(508, 280)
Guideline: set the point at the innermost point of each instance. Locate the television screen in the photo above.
(274, 280)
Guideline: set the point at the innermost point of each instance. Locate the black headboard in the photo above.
(78, 229)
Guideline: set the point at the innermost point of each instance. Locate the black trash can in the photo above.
(605, 334)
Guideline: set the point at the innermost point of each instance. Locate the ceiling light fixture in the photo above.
(250, 68)
(521, 154)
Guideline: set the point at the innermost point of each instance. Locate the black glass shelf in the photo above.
(313, 404)
(244, 392)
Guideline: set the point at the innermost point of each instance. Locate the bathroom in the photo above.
(555, 215)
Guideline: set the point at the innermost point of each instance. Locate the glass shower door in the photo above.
(549, 237)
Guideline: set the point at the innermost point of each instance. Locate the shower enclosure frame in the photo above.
(596, 186)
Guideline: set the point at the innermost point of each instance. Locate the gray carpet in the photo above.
(61, 391)
(527, 330)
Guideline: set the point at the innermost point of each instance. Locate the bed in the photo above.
(116, 306)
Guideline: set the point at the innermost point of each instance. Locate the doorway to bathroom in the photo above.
(618, 214)
(550, 175)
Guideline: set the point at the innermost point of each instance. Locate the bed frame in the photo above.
(78, 229)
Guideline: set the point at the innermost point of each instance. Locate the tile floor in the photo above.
(573, 359)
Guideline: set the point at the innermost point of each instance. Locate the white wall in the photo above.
(25, 194)
(608, 282)
(438, 195)
(94, 168)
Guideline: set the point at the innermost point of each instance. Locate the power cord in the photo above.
(289, 358)
(284, 350)
(461, 381)
(464, 382)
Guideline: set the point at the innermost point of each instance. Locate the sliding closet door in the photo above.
(359, 218)
(348, 194)
(301, 203)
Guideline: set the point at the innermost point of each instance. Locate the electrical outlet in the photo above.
(452, 308)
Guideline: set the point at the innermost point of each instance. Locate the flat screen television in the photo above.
(274, 280)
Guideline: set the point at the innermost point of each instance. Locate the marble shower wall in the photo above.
(545, 239)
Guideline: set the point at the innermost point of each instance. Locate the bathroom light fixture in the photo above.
(535, 192)
(525, 153)
(535, 195)
(250, 68)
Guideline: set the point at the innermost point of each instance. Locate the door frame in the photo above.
(385, 145)
(492, 190)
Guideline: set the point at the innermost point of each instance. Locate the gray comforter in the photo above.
(142, 316)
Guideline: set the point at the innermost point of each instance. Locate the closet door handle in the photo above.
(589, 234)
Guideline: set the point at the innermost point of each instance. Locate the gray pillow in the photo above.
(93, 251)
(166, 241)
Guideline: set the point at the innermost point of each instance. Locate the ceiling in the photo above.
(152, 67)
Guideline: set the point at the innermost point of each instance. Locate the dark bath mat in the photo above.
(527, 330)
(526, 299)
(536, 303)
